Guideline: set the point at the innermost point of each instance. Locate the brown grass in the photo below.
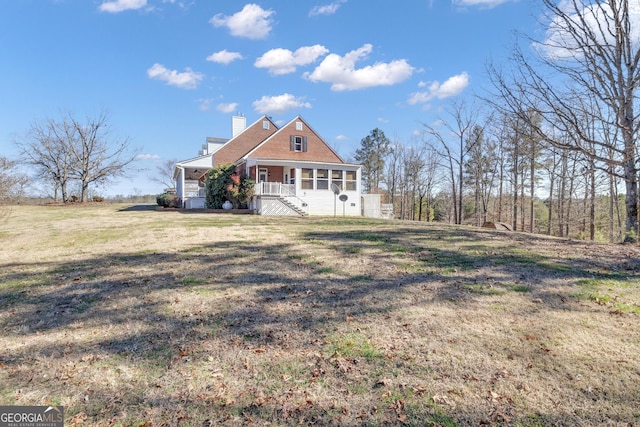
(136, 317)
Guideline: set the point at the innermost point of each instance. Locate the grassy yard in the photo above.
(138, 317)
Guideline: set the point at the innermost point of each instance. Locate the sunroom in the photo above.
(304, 188)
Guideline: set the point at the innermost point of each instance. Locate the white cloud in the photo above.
(148, 157)
(279, 104)
(224, 57)
(598, 18)
(342, 137)
(116, 6)
(342, 73)
(482, 3)
(382, 120)
(227, 108)
(251, 22)
(328, 9)
(186, 80)
(283, 61)
(452, 87)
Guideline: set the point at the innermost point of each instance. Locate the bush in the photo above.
(168, 200)
(225, 183)
(98, 199)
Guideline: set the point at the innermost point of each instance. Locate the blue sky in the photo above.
(172, 72)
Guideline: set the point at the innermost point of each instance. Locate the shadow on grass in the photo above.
(164, 306)
(139, 208)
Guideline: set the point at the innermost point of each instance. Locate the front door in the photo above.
(263, 175)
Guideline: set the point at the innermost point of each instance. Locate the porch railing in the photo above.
(274, 189)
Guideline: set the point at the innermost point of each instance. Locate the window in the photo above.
(265, 124)
(336, 178)
(350, 181)
(322, 179)
(298, 125)
(306, 179)
(298, 143)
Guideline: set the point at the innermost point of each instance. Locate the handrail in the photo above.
(298, 202)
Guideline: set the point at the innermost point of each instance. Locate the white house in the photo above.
(295, 170)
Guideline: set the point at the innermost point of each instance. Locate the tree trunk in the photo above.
(592, 209)
(460, 210)
(515, 187)
(631, 201)
(532, 187)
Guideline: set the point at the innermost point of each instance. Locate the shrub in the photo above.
(168, 200)
(225, 183)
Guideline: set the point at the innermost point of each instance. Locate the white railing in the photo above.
(274, 189)
(286, 192)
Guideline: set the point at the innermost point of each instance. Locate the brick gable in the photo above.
(246, 141)
(278, 147)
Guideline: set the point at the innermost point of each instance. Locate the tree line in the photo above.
(463, 172)
(558, 135)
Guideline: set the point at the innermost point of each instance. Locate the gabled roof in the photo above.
(277, 145)
(244, 142)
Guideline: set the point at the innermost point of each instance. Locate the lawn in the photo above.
(137, 317)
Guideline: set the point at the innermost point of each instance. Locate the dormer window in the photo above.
(298, 143)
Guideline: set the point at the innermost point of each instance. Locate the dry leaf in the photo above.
(419, 390)
(441, 399)
(494, 395)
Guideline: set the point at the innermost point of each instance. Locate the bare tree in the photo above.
(414, 166)
(481, 170)
(594, 46)
(97, 157)
(68, 150)
(429, 182)
(46, 147)
(454, 149)
(12, 182)
(164, 173)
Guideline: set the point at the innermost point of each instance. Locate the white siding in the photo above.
(321, 202)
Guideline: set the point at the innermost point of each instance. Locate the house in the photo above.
(296, 172)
